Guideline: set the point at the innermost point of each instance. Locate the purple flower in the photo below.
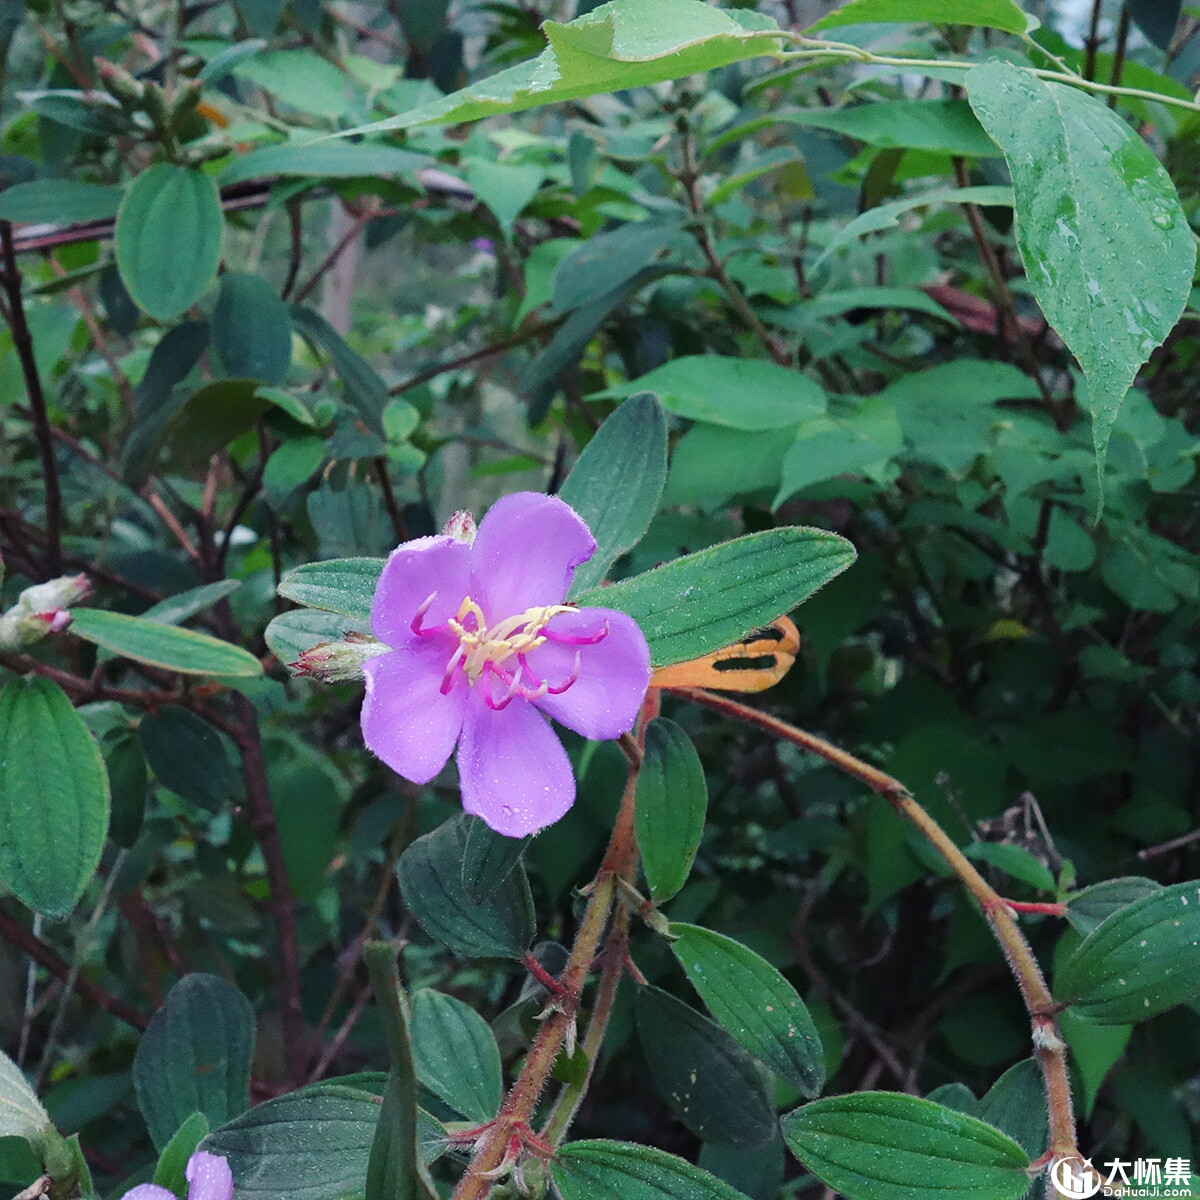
(481, 641)
(208, 1176)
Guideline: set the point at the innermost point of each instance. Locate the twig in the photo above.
(368, 213)
(452, 364)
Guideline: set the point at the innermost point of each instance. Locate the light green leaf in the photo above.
(21, 1114)
(990, 14)
(505, 188)
(341, 585)
(324, 160)
(941, 126)
(603, 1170)
(171, 1170)
(669, 810)
(302, 78)
(62, 201)
(456, 1055)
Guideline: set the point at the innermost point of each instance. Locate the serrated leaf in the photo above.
(168, 238)
(21, 1114)
(341, 585)
(251, 329)
(195, 1057)
(616, 484)
(1141, 961)
(1108, 251)
(604, 1170)
(456, 1055)
(989, 14)
(182, 650)
(754, 1002)
(888, 1146)
(706, 601)
(669, 808)
(430, 872)
(488, 859)
(1093, 905)
(52, 821)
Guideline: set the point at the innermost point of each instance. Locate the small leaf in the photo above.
(62, 201)
(195, 1057)
(341, 585)
(708, 1081)
(888, 1146)
(488, 859)
(752, 1000)
(180, 607)
(189, 757)
(21, 1114)
(1016, 1104)
(1141, 961)
(251, 329)
(456, 1055)
(600, 1170)
(54, 798)
(168, 238)
(1090, 907)
(990, 14)
(430, 872)
(706, 601)
(182, 650)
(617, 482)
(670, 804)
(365, 392)
(171, 1171)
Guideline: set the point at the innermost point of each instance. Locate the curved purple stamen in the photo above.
(575, 639)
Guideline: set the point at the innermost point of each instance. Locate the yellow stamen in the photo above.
(516, 635)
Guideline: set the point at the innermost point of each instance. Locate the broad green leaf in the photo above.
(712, 463)
(171, 1170)
(620, 45)
(212, 417)
(323, 160)
(1016, 861)
(888, 1146)
(504, 188)
(300, 78)
(251, 329)
(707, 1080)
(1107, 248)
(670, 804)
(341, 585)
(617, 482)
(62, 201)
(182, 650)
(168, 238)
(942, 126)
(604, 1170)
(195, 1057)
(1142, 960)
(21, 1114)
(189, 757)
(601, 265)
(291, 633)
(365, 392)
(754, 1002)
(737, 393)
(430, 872)
(990, 14)
(705, 601)
(54, 798)
(456, 1055)
(488, 858)
(1088, 908)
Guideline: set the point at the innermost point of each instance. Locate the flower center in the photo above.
(502, 650)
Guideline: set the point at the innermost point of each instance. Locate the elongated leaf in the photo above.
(488, 859)
(602, 265)
(21, 1113)
(990, 14)
(365, 392)
(888, 1146)
(617, 482)
(1087, 909)
(61, 201)
(1107, 248)
(195, 1057)
(670, 804)
(323, 160)
(182, 650)
(178, 608)
(168, 238)
(251, 329)
(1016, 1104)
(54, 797)
(603, 1170)
(456, 1055)
(752, 1000)
(1141, 961)
(943, 126)
(700, 603)
(430, 872)
(341, 585)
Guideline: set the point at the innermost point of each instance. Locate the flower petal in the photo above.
(613, 675)
(148, 1191)
(209, 1177)
(412, 573)
(406, 720)
(513, 770)
(526, 552)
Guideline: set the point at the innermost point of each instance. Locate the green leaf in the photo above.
(301, 78)
(189, 757)
(430, 871)
(505, 188)
(324, 160)
(887, 1146)
(604, 1170)
(1142, 960)
(705, 601)
(365, 392)
(1095, 1050)
(52, 821)
(456, 1054)
(1107, 248)
(251, 329)
(488, 859)
(195, 1057)
(602, 265)
(708, 1081)
(752, 1000)
(291, 633)
(62, 201)
(617, 483)
(990, 14)
(1016, 1104)
(341, 585)
(940, 126)
(1156, 19)
(182, 650)
(171, 1170)
(21, 1114)
(128, 780)
(737, 393)
(168, 238)
(670, 804)
(711, 463)
(212, 417)
(1088, 908)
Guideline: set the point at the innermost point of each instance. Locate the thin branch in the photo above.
(368, 213)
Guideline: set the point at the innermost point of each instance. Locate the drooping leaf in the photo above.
(670, 804)
(21, 1113)
(128, 780)
(456, 1055)
(990, 14)
(604, 1170)
(54, 797)
(341, 585)
(251, 329)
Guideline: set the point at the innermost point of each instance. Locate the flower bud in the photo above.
(461, 527)
(338, 662)
(40, 610)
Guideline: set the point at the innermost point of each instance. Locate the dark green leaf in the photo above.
(991, 14)
(189, 757)
(617, 482)
(171, 1171)
(211, 417)
(606, 263)
(430, 871)
(195, 1057)
(342, 585)
(128, 780)
(62, 201)
(488, 859)
(52, 821)
(179, 608)
(942, 126)
(456, 1055)
(752, 1000)
(603, 1170)
(366, 393)
(1156, 19)
(670, 804)
(251, 329)
(708, 1081)
(1088, 908)
(888, 1146)
(1016, 1104)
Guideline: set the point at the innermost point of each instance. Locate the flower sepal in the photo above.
(341, 661)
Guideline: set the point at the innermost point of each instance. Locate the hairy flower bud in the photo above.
(338, 662)
(40, 610)
(461, 527)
